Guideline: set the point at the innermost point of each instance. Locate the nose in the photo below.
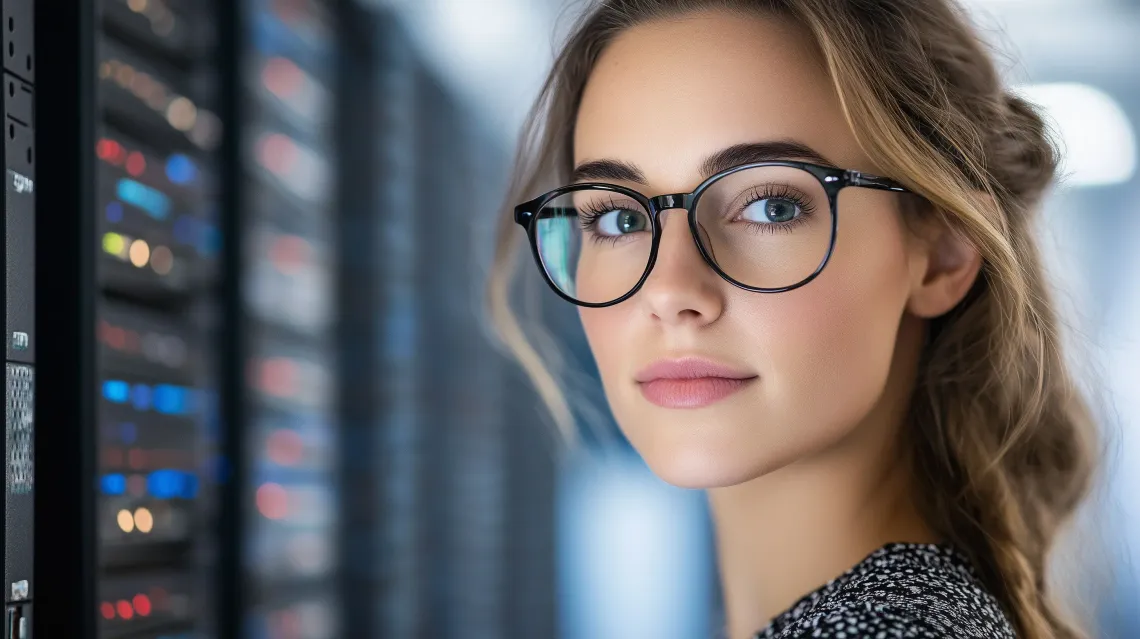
(681, 288)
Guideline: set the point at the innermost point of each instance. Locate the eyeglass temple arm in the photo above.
(525, 211)
(855, 178)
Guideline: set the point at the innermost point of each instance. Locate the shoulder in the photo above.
(906, 591)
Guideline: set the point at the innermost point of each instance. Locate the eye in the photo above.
(772, 210)
(621, 222)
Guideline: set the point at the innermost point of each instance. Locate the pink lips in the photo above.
(690, 382)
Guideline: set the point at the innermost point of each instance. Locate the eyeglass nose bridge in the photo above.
(671, 201)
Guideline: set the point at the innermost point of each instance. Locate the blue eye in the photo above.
(621, 222)
(772, 211)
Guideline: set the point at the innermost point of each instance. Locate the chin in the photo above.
(702, 462)
(701, 477)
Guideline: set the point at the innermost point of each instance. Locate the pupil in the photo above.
(629, 221)
(780, 210)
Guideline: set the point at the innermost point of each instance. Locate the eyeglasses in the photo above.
(766, 227)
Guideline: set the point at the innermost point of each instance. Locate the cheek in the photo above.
(616, 336)
(830, 343)
(604, 332)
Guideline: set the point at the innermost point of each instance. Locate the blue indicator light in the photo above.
(171, 400)
(181, 169)
(128, 432)
(169, 483)
(209, 240)
(154, 202)
(113, 484)
(185, 231)
(116, 391)
(141, 396)
(164, 484)
(114, 212)
(189, 486)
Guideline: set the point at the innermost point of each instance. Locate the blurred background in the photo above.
(395, 475)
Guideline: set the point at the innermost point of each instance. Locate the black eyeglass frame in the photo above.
(832, 179)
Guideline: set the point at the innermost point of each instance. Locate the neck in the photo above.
(790, 531)
(785, 534)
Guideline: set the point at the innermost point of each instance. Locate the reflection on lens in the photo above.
(594, 244)
(767, 227)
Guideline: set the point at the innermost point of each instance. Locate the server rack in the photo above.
(463, 535)
(157, 278)
(19, 335)
(289, 211)
(144, 529)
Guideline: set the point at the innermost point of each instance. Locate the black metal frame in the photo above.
(65, 544)
(231, 590)
(832, 179)
(360, 303)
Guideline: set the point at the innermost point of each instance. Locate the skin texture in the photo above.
(803, 466)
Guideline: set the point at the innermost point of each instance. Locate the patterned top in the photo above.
(898, 591)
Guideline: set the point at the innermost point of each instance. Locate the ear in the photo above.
(944, 265)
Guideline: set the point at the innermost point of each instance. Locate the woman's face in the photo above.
(782, 377)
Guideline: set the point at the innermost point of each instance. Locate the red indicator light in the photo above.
(277, 153)
(109, 151)
(279, 377)
(286, 623)
(136, 164)
(142, 605)
(285, 447)
(281, 77)
(116, 337)
(272, 501)
(107, 609)
(289, 253)
(124, 608)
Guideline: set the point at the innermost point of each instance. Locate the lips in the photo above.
(690, 382)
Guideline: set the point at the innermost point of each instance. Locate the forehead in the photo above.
(666, 94)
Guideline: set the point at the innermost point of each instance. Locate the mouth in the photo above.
(690, 382)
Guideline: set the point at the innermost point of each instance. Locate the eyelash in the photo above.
(588, 219)
(780, 192)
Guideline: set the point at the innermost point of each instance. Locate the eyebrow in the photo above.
(736, 155)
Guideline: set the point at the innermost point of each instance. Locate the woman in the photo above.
(864, 372)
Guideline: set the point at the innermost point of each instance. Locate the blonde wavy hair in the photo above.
(1002, 440)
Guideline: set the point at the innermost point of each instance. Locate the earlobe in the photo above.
(949, 269)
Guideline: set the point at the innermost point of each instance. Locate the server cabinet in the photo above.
(288, 210)
(461, 477)
(20, 334)
(157, 280)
